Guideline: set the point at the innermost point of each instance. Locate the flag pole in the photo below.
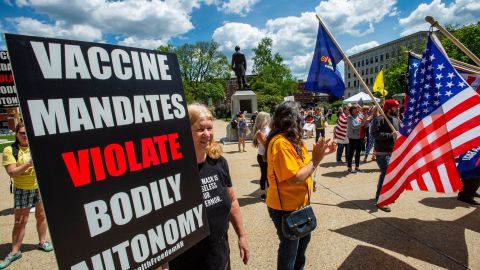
(365, 87)
(458, 65)
(455, 41)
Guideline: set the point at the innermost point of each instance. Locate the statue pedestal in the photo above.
(232, 135)
(244, 101)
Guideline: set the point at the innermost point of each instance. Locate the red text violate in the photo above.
(117, 159)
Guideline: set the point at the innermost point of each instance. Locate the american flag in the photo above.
(440, 123)
(473, 80)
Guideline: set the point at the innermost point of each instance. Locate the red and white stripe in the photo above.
(341, 129)
(473, 80)
(426, 156)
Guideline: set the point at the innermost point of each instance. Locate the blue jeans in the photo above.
(291, 253)
(382, 161)
(340, 148)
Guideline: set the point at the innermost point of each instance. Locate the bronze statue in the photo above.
(239, 65)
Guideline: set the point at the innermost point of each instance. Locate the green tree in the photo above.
(273, 79)
(207, 90)
(203, 68)
(395, 77)
(469, 35)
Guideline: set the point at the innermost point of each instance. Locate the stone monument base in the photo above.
(232, 135)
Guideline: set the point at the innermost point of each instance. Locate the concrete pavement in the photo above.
(423, 231)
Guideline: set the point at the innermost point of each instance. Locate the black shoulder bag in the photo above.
(15, 149)
(299, 223)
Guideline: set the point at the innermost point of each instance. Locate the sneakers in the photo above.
(46, 246)
(9, 259)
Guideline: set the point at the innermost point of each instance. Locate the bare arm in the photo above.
(261, 138)
(13, 170)
(237, 221)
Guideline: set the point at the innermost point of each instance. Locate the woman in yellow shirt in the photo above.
(291, 167)
(26, 195)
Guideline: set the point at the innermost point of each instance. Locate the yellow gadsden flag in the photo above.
(378, 84)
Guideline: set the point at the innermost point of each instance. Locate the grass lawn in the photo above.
(333, 121)
(9, 138)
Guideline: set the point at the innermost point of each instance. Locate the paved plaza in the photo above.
(423, 231)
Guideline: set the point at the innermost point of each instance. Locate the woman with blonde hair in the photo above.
(213, 252)
(260, 132)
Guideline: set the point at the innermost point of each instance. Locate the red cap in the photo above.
(390, 103)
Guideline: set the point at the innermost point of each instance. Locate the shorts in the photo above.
(26, 198)
(242, 133)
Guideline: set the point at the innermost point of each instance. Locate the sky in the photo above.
(357, 25)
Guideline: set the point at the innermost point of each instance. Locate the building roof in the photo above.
(390, 43)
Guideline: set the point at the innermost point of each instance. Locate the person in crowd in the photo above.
(253, 117)
(260, 132)
(340, 135)
(18, 164)
(302, 124)
(364, 112)
(370, 140)
(384, 141)
(469, 190)
(339, 112)
(309, 126)
(242, 127)
(468, 166)
(290, 170)
(354, 125)
(320, 123)
(329, 114)
(213, 252)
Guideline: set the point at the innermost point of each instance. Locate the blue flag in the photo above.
(323, 75)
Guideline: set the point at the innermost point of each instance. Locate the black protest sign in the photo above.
(113, 152)
(8, 92)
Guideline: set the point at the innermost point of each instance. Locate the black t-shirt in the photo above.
(212, 252)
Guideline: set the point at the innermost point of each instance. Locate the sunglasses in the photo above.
(22, 132)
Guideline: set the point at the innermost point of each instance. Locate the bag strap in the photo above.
(15, 149)
(278, 187)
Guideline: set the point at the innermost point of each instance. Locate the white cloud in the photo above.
(300, 64)
(144, 21)
(362, 47)
(231, 34)
(465, 11)
(293, 37)
(354, 17)
(142, 43)
(29, 26)
(240, 7)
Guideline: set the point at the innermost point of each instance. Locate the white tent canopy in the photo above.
(356, 98)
